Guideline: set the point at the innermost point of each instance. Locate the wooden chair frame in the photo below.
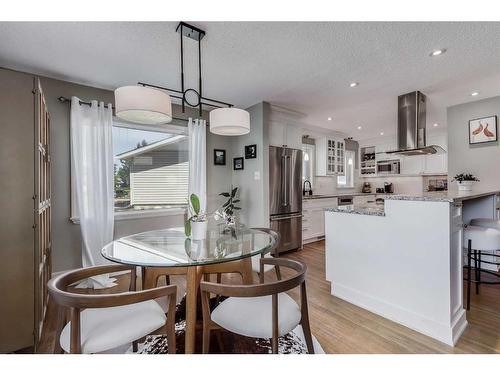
(274, 250)
(76, 302)
(258, 290)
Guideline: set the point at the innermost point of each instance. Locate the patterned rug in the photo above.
(224, 342)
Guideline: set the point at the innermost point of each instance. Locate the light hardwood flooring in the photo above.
(341, 327)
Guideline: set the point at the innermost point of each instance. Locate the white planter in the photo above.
(465, 185)
(199, 230)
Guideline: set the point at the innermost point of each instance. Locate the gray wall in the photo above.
(254, 193)
(482, 160)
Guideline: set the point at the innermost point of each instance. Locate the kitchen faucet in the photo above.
(304, 191)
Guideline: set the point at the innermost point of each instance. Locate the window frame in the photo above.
(346, 169)
(175, 127)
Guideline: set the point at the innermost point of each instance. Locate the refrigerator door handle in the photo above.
(288, 177)
(283, 182)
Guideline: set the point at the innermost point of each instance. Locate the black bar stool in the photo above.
(482, 237)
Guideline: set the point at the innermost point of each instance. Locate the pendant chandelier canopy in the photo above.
(143, 105)
(151, 104)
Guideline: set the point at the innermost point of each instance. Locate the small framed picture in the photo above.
(251, 152)
(219, 157)
(483, 130)
(238, 164)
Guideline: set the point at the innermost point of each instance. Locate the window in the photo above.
(347, 180)
(151, 167)
(308, 152)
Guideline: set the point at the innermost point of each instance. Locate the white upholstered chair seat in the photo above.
(107, 328)
(486, 223)
(252, 316)
(482, 238)
(256, 263)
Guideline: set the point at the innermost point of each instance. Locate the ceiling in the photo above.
(302, 66)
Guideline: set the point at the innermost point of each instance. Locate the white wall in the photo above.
(481, 160)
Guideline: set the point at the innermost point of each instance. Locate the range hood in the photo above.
(411, 126)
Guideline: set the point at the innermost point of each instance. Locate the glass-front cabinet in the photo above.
(330, 157)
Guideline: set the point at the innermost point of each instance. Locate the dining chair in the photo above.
(261, 310)
(100, 322)
(273, 253)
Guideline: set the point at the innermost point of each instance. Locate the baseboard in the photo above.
(438, 331)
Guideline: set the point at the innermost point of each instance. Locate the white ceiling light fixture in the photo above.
(437, 52)
(229, 121)
(143, 105)
(329, 119)
(360, 127)
(353, 84)
(150, 104)
(381, 133)
(474, 93)
(436, 125)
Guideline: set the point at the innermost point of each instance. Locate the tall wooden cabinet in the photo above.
(25, 229)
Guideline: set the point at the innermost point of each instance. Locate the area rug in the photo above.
(224, 342)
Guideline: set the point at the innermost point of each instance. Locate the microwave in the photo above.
(388, 167)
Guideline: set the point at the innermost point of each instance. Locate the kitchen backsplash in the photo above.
(328, 185)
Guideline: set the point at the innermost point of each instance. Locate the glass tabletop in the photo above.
(171, 248)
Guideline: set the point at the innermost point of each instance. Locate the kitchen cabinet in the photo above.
(282, 134)
(313, 220)
(363, 199)
(330, 159)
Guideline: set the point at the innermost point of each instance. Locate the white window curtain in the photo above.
(198, 160)
(92, 176)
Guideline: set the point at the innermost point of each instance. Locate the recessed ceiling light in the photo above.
(437, 52)
(475, 93)
(436, 125)
(329, 119)
(359, 128)
(353, 84)
(381, 133)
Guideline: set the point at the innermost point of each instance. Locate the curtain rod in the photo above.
(63, 99)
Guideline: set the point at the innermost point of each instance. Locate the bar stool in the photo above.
(483, 240)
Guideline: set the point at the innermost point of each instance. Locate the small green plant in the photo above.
(465, 177)
(196, 215)
(229, 207)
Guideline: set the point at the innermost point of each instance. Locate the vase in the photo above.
(199, 230)
(465, 185)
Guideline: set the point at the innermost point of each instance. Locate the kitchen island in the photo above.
(403, 260)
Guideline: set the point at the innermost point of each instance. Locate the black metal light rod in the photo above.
(201, 97)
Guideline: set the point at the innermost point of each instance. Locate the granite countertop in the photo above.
(443, 196)
(362, 209)
(336, 195)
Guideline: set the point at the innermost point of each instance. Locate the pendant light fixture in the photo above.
(144, 104)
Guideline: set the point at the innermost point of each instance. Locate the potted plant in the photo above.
(465, 181)
(196, 225)
(227, 210)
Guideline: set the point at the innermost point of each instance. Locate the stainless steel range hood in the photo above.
(411, 126)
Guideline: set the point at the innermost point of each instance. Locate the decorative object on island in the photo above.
(465, 181)
(150, 104)
(219, 157)
(238, 164)
(196, 225)
(227, 211)
(251, 152)
(483, 130)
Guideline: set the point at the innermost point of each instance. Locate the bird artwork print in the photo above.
(483, 130)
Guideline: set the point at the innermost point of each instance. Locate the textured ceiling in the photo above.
(299, 65)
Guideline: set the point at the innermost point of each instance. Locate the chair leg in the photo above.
(476, 270)
(170, 325)
(304, 320)
(469, 273)
(206, 340)
(61, 322)
(278, 272)
(135, 346)
(167, 279)
(478, 280)
(274, 344)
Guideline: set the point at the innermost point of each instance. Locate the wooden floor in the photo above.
(341, 327)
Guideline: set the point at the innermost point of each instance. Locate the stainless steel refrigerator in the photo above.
(285, 196)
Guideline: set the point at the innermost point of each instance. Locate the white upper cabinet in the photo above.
(330, 156)
(284, 129)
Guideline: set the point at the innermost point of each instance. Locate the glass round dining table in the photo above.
(169, 252)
